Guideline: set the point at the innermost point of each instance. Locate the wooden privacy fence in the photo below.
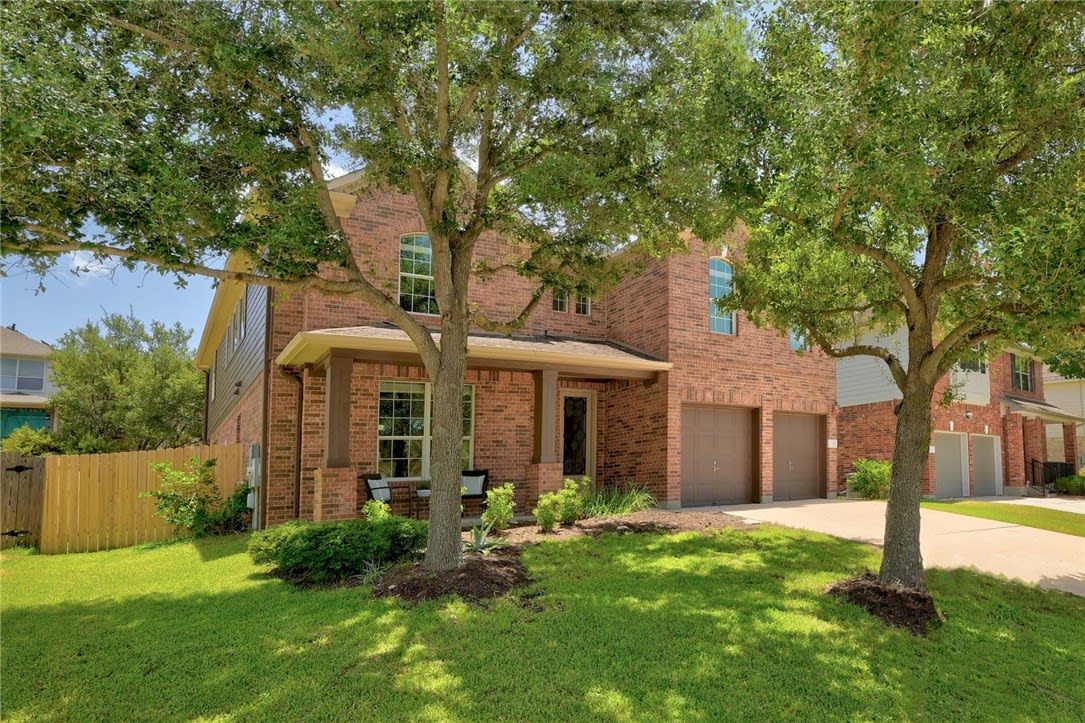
(92, 501)
(22, 485)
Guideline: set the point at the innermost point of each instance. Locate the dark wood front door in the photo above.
(575, 436)
(717, 455)
(797, 459)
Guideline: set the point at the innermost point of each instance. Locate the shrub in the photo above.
(572, 497)
(333, 551)
(31, 442)
(481, 542)
(189, 500)
(374, 510)
(871, 478)
(1071, 485)
(499, 507)
(546, 512)
(617, 501)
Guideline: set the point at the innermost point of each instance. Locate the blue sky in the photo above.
(70, 300)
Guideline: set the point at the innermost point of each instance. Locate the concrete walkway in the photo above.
(1067, 504)
(1048, 559)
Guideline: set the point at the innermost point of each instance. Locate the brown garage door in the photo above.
(717, 455)
(796, 456)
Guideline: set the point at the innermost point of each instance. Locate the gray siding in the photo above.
(241, 363)
(866, 379)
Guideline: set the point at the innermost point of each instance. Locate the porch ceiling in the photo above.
(389, 344)
(1036, 409)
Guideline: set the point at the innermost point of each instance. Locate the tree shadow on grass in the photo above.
(731, 626)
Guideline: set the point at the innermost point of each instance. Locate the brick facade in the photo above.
(663, 312)
(867, 430)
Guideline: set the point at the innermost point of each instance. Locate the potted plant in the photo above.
(422, 488)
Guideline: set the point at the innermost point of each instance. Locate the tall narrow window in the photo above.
(404, 421)
(416, 292)
(797, 340)
(583, 305)
(1021, 376)
(561, 300)
(720, 275)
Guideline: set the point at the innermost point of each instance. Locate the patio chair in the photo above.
(376, 487)
(475, 482)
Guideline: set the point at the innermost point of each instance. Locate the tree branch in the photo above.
(890, 359)
(507, 327)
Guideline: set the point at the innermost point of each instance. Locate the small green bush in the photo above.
(499, 507)
(1072, 485)
(374, 510)
(546, 512)
(572, 497)
(618, 501)
(871, 478)
(333, 551)
(31, 442)
(189, 500)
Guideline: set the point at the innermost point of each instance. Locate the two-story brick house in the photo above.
(648, 384)
(984, 439)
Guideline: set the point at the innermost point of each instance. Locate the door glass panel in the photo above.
(574, 453)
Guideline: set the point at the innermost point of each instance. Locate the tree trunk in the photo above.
(444, 550)
(902, 561)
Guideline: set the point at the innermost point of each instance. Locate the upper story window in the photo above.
(416, 292)
(796, 339)
(720, 285)
(973, 365)
(239, 322)
(22, 375)
(583, 305)
(1022, 374)
(561, 301)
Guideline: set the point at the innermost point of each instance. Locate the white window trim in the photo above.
(563, 297)
(427, 423)
(402, 273)
(19, 375)
(712, 311)
(587, 303)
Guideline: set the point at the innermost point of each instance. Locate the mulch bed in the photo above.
(900, 607)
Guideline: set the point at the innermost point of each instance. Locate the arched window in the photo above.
(720, 275)
(416, 292)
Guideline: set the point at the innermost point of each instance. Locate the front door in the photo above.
(577, 434)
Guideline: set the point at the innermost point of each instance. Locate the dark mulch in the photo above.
(480, 577)
(900, 607)
(646, 521)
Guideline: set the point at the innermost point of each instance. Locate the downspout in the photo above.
(265, 424)
(206, 405)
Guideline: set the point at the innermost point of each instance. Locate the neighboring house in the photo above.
(1068, 394)
(989, 440)
(24, 382)
(649, 384)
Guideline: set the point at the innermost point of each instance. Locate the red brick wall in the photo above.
(245, 420)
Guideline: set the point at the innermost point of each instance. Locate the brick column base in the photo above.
(538, 480)
(335, 494)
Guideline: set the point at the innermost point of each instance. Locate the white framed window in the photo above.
(561, 301)
(583, 305)
(1022, 376)
(404, 420)
(720, 285)
(211, 381)
(416, 291)
(796, 339)
(22, 375)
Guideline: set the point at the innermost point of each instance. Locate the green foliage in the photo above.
(124, 387)
(547, 511)
(1072, 485)
(481, 542)
(189, 500)
(618, 501)
(334, 551)
(29, 441)
(871, 478)
(499, 507)
(374, 510)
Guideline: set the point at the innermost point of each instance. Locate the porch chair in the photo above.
(376, 488)
(475, 482)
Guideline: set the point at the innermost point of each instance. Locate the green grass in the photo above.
(1069, 523)
(640, 627)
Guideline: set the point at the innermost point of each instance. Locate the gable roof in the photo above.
(16, 343)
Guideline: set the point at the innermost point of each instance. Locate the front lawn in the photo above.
(1069, 523)
(687, 627)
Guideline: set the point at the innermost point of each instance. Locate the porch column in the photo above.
(1014, 449)
(1069, 444)
(544, 447)
(337, 411)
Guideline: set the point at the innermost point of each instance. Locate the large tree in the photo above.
(914, 167)
(184, 130)
(123, 386)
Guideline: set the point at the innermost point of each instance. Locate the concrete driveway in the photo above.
(1048, 559)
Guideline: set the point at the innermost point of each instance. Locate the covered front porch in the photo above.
(535, 411)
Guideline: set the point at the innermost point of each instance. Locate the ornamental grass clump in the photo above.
(618, 501)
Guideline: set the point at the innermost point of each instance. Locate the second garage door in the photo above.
(796, 456)
(717, 455)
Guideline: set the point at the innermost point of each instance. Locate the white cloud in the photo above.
(85, 267)
(333, 170)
